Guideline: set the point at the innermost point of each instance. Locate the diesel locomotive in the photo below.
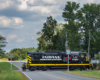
(56, 59)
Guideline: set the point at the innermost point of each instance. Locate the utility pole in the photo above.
(89, 45)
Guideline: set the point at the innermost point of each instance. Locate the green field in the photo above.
(3, 59)
(7, 74)
(6, 59)
(90, 73)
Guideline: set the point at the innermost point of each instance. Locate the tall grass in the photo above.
(7, 74)
(3, 59)
(90, 73)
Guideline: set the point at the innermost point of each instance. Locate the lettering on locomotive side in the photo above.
(51, 58)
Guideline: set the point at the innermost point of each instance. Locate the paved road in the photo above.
(50, 74)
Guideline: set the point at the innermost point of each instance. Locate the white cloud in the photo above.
(31, 2)
(50, 1)
(19, 40)
(5, 4)
(11, 37)
(4, 21)
(90, 1)
(18, 20)
(14, 22)
(23, 5)
(42, 9)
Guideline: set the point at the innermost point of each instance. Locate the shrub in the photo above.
(99, 66)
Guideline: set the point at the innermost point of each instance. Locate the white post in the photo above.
(67, 52)
(11, 63)
(68, 62)
(11, 60)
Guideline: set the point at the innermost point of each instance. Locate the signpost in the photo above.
(11, 55)
(68, 52)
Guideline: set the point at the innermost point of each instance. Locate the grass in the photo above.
(90, 73)
(3, 59)
(6, 59)
(25, 60)
(7, 74)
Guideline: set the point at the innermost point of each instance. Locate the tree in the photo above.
(57, 39)
(2, 44)
(48, 30)
(89, 18)
(72, 28)
(21, 53)
(42, 42)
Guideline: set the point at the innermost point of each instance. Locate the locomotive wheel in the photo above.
(32, 68)
(73, 68)
(84, 67)
(24, 69)
(44, 68)
(80, 68)
(70, 68)
(37, 68)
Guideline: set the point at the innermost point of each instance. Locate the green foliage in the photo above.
(57, 41)
(2, 44)
(78, 23)
(69, 10)
(72, 28)
(48, 30)
(21, 53)
(97, 57)
(89, 21)
(3, 55)
(99, 64)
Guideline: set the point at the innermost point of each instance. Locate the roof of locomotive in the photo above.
(47, 52)
(56, 52)
(77, 52)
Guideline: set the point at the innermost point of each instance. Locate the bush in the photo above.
(99, 66)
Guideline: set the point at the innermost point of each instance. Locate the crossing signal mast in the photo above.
(67, 50)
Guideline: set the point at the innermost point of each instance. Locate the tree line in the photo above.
(78, 22)
(18, 53)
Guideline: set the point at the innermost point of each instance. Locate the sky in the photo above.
(20, 20)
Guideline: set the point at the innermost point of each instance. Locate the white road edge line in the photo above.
(27, 76)
(23, 73)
